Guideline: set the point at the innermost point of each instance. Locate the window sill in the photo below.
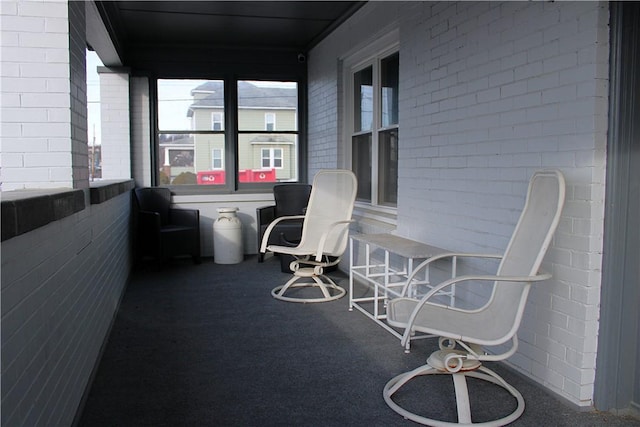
(385, 215)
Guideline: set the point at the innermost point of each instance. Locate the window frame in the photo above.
(355, 61)
(214, 158)
(271, 151)
(268, 122)
(214, 121)
(232, 133)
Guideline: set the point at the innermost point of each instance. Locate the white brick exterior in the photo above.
(115, 119)
(44, 137)
(489, 93)
(140, 131)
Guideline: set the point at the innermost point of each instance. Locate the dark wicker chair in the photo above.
(290, 199)
(163, 232)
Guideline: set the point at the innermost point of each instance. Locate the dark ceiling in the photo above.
(290, 25)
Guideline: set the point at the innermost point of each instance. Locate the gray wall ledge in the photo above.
(101, 191)
(26, 210)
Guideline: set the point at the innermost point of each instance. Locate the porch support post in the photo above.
(115, 122)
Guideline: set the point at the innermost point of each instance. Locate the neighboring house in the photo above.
(264, 152)
(176, 155)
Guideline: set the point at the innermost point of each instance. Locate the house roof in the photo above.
(249, 96)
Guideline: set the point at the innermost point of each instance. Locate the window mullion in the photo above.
(375, 126)
(231, 131)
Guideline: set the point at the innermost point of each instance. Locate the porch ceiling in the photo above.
(238, 25)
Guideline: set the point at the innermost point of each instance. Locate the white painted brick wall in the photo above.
(78, 94)
(37, 106)
(114, 113)
(324, 77)
(140, 131)
(60, 287)
(489, 93)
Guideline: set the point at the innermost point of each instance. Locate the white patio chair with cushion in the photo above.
(464, 333)
(325, 231)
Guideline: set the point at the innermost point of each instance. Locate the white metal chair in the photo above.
(325, 231)
(463, 333)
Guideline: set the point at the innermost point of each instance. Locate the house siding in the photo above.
(489, 93)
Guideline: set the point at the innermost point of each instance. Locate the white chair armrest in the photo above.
(406, 336)
(265, 236)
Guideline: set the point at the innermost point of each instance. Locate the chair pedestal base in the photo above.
(462, 394)
(330, 291)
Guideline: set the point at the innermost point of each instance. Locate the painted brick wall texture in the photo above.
(55, 315)
(140, 133)
(43, 81)
(116, 152)
(78, 94)
(489, 93)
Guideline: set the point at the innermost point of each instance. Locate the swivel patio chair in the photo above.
(324, 237)
(164, 232)
(290, 199)
(463, 333)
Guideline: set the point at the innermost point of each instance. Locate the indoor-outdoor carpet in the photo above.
(207, 345)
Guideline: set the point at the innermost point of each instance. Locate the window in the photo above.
(373, 126)
(190, 131)
(270, 121)
(197, 147)
(216, 159)
(260, 105)
(217, 121)
(272, 158)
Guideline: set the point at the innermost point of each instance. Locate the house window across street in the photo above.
(270, 121)
(217, 122)
(217, 161)
(272, 158)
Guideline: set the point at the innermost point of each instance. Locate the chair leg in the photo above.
(260, 257)
(462, 396)
(324, 283)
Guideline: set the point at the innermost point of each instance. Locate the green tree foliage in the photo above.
(185, 178)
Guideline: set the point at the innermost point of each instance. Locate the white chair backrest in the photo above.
(527, 247)
(332, 198)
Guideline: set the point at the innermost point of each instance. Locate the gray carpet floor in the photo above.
(207, 345)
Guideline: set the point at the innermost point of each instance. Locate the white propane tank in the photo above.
(227, 237)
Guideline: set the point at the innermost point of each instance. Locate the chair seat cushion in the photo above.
(175, 228)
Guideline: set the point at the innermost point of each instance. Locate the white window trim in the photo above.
(213, 121)
(213, 150)
(272, 157)
(266, 121)
(358, 59)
